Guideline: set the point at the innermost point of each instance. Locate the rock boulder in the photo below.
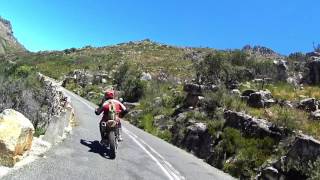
(16, 133)
(146, 77)
(313, 76)
(303, 151)
(282, 70)
(261, 99)
(252, 126)
(315, 115)
(198, 140)
(308, 104)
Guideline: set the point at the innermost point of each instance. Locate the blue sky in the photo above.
(283, 25)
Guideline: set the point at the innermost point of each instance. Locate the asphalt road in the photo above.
(139, 156)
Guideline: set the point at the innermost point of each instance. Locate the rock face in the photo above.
(313, 76)
(247, 92)
(295, 79)
(295, 164)
(309, 104)
(198, 140)
(315, 115)
(161, 122)
(192, 136)
(260, 99)
(252, 126)
(16, 133)
(60, 115)
(282, 70)
(303, 150)
(8, 43)
(195, 92)
(53, 98)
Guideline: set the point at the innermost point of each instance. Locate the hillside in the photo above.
(148, 56)
(249, 112)
(8, 43)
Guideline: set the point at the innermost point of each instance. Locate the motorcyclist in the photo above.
(104, 107)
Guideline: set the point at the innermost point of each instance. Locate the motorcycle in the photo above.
(110, 136)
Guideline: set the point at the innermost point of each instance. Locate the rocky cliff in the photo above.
(8, 43)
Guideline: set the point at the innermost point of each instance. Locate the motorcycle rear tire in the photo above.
(113, 144)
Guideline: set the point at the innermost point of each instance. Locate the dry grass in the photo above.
(288, 92)
(294, 119)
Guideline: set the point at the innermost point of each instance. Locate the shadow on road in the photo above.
(96, 147)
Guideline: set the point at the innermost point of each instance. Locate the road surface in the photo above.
(140, 156)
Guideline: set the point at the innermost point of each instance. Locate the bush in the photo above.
(165, 135)
(23, 71)
(212, 68)
(127, 79)
(226, 67)
(248, 153)
(146, 123)
(215, 126)
(222, 98)
(39, 131)
(238, 58)
(120, 75)
(133, 89)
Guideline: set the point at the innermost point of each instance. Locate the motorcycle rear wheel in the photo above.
(113, 144)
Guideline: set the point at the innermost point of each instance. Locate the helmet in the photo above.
(109, 94)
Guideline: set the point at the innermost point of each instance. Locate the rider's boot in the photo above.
(102, 141)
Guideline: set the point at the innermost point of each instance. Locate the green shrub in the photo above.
(133, 89)
(165, 135)
(146, 123)
(23, 71)
(127, 79)
(238, 58)
(120, 75)
(39, 131)
(212, 68)
(248, 153)
(222, 98)
(225, 67)
(215, 126)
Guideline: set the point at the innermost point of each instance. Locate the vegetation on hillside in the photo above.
(162, 99)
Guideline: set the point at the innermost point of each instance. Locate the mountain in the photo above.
(245, 111)
(8, 43)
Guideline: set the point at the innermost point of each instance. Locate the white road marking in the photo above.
(167, 173)
(169, 168)
(165, 166)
